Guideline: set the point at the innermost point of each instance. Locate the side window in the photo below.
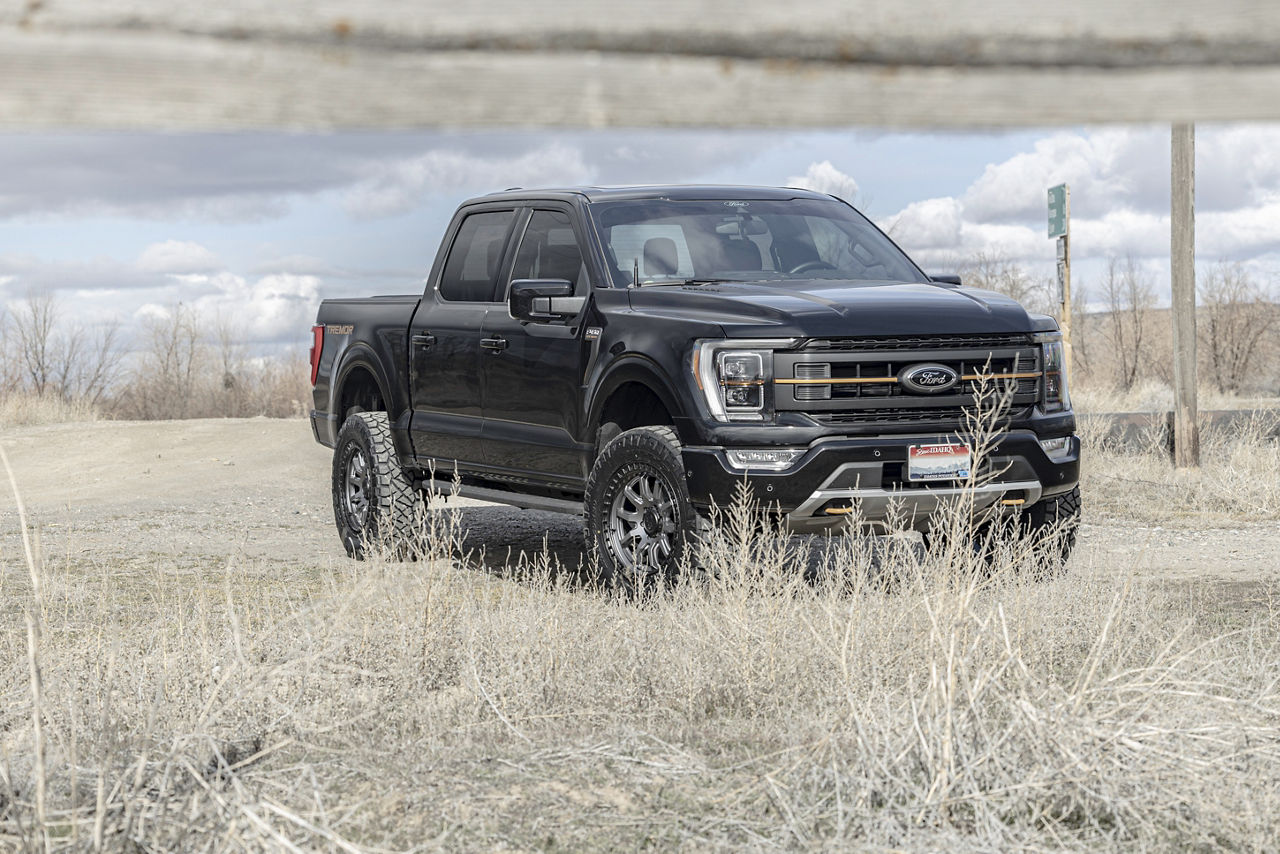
(549, 250)
(471, 270)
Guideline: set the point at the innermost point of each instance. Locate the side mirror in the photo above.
(948, 280)
(543, 300)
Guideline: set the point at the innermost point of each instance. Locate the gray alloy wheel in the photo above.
(639, 516)
(643, 524)
(356, 486)
(373, 500)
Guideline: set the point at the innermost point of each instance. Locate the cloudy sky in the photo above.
(260, 227)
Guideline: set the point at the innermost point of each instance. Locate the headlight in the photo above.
(736, 377)
(1056, 397)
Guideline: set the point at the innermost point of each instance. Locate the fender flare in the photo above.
(634, 367)
(359, 356)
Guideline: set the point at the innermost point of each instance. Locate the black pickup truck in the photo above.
(633, 354)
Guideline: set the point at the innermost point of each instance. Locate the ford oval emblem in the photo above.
(928, 378)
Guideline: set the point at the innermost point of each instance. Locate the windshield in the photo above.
(658, 240)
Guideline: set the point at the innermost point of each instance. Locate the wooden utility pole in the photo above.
(1060, 228)
(1182, 262)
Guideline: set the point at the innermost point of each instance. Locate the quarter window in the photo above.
(471, 270)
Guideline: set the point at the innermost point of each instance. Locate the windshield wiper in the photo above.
(684, 282)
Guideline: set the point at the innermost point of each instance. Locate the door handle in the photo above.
(424, 340)
(493, 343)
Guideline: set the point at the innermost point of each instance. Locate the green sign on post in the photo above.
(1058, 211)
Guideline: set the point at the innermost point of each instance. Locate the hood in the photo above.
(826, 308)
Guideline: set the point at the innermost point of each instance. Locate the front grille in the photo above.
(856, 380)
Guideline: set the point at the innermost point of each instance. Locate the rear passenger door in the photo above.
(532, 372)
(444, 341)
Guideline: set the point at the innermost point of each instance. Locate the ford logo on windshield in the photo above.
(928, 378)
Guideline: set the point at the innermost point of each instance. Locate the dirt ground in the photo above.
(195, 493)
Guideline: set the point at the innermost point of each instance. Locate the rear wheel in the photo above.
(374, 503)
(639, 517)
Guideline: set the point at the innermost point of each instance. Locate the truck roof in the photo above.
(653, 191)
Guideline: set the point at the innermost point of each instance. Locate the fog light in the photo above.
(767, 460)
(1056, 448)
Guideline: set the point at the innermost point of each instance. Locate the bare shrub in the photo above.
(190, 366)
(1237, 315)
(1130, 296)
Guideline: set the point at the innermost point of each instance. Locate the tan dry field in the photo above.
(216, 675)
(199, 493)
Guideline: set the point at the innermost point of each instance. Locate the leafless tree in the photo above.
(163, 383)
(1237, 316)
(1130, 296)
(1080, 326)
(57, 357)
(995, 271)
(34, 325)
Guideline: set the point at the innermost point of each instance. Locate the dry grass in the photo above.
(399, 706)
(852, 693)
(23, 410)
(1155, 396)
(1239, 479)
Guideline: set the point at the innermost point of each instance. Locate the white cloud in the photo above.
(825, 178)
(1119, 182)
(270, 309)
(1097, 166)
(177, 256)
(401, 185)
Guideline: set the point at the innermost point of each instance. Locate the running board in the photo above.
(502, 496)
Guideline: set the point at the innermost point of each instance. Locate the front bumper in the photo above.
(840, 478)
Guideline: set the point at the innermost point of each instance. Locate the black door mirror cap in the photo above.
(543, 300)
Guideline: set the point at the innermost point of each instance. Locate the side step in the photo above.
(502, 496)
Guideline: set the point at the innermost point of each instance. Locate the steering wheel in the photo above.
(815, 264)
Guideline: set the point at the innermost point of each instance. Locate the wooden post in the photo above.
(1066, 292)
(1182, 262)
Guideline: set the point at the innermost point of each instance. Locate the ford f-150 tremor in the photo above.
(633, 354)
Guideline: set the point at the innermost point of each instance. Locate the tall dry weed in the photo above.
(839, 693)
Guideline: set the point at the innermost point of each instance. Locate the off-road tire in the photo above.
(651, 453)
(1052, 526)
(1047, 529)
(367, 476)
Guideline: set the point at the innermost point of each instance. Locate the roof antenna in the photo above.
(635, 272)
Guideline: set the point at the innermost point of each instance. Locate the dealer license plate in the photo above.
(937, 462)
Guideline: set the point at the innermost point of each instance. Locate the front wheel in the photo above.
(1052, 526)
(639, 517)
(1045, 532)
(373, 501)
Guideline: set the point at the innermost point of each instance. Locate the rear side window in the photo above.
(471, 270)
(549, 250)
